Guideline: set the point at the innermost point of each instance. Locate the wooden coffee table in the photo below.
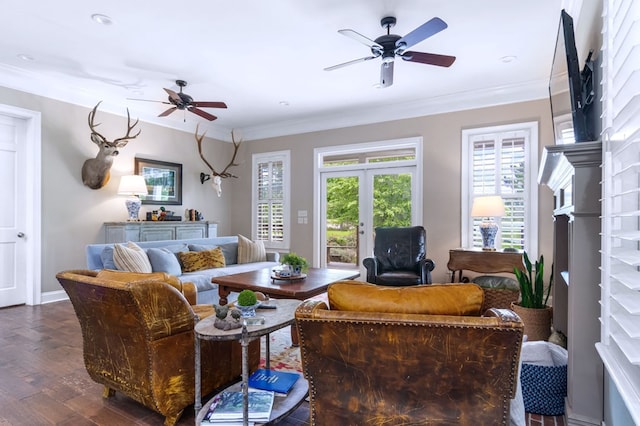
(316, 282)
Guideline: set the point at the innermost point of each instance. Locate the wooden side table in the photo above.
(485, 262)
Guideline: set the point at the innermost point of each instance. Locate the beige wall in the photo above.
(72, 214)
(441, 184)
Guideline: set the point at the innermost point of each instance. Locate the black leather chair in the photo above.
(399, 257)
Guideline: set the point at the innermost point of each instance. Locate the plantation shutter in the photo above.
(620, 301)
(498, 168)
(270, 204)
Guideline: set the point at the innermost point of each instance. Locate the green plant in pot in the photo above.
(247, 302)
(534, 295)
(297, 263)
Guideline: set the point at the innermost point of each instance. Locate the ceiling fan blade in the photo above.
(173, 95)
(386, 74)
(209, 104)
(344, 64)
(362, 39)
(149, 100)
(202, 113)
(167, 112)
(429, 28)
(429, 58)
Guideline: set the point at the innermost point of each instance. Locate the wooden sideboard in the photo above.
(121, 232)
(482, 261)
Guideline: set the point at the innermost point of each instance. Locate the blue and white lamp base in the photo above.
(133, 208)
(488, 230)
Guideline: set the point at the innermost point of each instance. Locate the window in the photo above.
(270, 207)
(502, 160)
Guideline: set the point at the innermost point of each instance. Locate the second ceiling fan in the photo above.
(184, 102)
(389, 46)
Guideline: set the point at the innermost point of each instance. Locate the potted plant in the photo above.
(247, 303)
(297, 263)
(534, 295)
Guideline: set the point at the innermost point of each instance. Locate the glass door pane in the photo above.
(342, 219)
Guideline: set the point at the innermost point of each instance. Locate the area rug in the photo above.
(283, 356)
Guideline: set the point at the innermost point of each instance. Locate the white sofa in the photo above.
(100, 256)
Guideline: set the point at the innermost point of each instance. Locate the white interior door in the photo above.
(13, 266)
(20, 218)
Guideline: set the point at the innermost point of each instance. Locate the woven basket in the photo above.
(544, 389)
(537, 322)
(499, 298)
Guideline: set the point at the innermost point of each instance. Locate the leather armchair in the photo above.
(138, 339)
(370, 367)
(399, 257)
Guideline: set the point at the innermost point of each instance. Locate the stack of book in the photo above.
(279, 382)
(227, 408)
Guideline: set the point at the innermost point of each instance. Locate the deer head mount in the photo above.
(97, 171)
(217, 176)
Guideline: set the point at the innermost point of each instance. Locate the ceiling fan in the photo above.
(389, 46)
(182, 101)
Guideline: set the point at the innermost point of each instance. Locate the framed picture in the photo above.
(164, 181)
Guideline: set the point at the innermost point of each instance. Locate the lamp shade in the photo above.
(488, 206)
(132, 185)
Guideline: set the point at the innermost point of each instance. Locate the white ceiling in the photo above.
(255, 54)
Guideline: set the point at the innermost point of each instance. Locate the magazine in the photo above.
(229, 406)
(279, 382)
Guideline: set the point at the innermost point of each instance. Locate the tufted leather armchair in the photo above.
(379, 357)
(399, 257)
(138, 339)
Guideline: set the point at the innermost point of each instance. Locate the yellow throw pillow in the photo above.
(198, 260)
(430, 299)
(251, 251)
(131, 258)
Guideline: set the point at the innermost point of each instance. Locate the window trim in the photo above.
(285, 157)
(531, 192)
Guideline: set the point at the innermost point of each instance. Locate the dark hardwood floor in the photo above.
(43, 380)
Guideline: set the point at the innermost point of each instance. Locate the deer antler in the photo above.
(224, 173)
(120, 142)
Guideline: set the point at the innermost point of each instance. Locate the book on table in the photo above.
(279, 382)
(228, 407)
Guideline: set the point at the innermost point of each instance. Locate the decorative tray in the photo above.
(275, 275)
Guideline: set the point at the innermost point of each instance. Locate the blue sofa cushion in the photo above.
(107, 258)
(164, 260)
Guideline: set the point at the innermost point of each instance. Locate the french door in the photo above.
(355, 202)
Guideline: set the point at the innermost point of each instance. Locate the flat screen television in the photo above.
(571, 91)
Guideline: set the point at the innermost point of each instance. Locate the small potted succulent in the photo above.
(247, 303)
(298, 264)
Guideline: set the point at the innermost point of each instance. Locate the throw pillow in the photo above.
(164, 260)
(107, 258)
(230, 251)
(250, 251)
(198, 260)
(432, 299)
(131, 258)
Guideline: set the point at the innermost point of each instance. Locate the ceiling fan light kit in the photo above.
(388, 46)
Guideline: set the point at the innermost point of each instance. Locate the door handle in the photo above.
(20, 234)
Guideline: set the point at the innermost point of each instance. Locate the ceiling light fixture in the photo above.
(283, 103)
(508, 58)
(25, 57)
(101, 19)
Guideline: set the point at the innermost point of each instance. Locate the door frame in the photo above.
(32, 209)
(318, 155)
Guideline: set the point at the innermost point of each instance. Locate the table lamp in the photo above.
(488, 207)
(133, 186)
